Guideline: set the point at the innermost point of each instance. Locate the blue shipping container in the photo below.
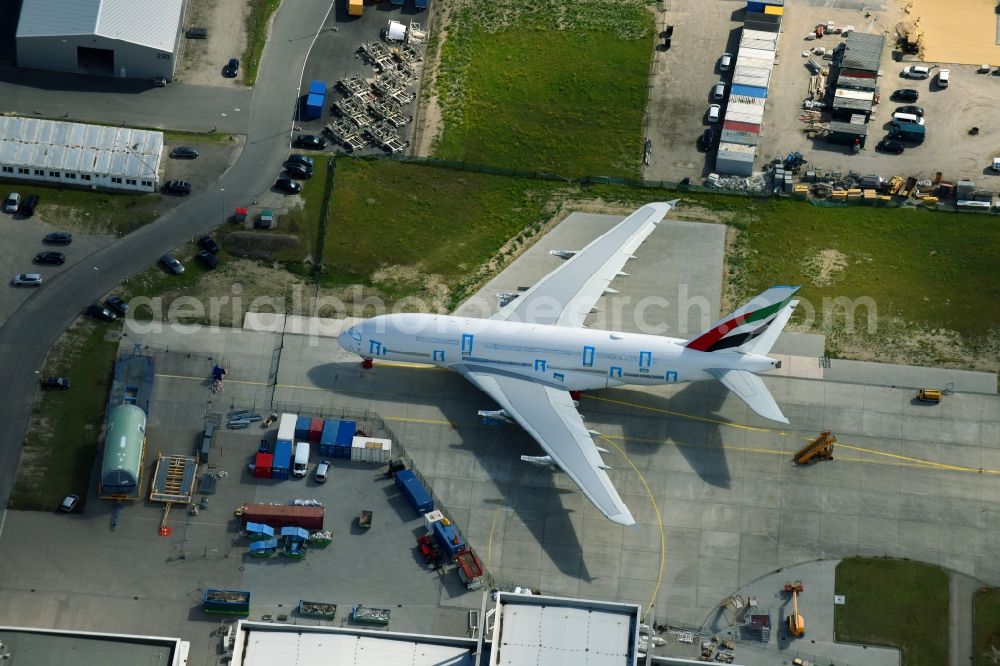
(753, 6)
(749, 91)
(421, 4)
(282, 459)
(339, 451)
(302, 428)
(317, 87)
(329, 437)
(345, 433)
(415, 494)
(314, 107)
(448, 537)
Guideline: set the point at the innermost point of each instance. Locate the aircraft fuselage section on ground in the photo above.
(573, 359)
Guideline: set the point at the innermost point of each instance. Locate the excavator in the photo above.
(796, 623)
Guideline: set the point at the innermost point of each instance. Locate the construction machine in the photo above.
(796, 623)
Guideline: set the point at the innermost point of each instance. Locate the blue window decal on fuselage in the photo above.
(588, 357)
(466, 343)
(438, 356)
(374, 347)
(615, 373)
(558, 376)
(670, 376)
(540, 365)
(645, 359)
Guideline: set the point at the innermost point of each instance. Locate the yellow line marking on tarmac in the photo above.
(406, 419)
(691, 417)
(659, 524)
(209, 379)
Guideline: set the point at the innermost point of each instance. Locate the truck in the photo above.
(907, 131)
(282, 515)
(226, 602)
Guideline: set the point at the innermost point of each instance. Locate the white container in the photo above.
(371, 449)
(286, 426)
(432, 517)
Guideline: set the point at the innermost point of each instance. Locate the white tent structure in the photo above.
(395, 32)
(95, 156)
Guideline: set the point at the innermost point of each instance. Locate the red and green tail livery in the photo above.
(746, 324)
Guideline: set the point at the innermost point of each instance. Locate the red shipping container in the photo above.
(316, 429)
(262, 465)
(282, 515)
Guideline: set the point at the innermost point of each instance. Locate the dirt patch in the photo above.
(957, 31)
(260, 245)
(202, 60)
(429, 118)
(823, 267)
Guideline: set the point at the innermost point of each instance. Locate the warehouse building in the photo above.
(52, 151)
(135, 39)
(854, 98)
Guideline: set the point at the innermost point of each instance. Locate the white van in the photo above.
(301, 465)
(908, 118)
(944, 76)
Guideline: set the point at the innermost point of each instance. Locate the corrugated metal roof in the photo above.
(840, 127)
(756, 63)
(760, 34)
(732, 136)
(863, 51)
(738, 126)
(761, 44)
(745, 100)
(757, 54)
(853, 94)
(737, 116)
(76, 147)
(745, 112)
(766, 19)
(856, 82)
(749, 91)
(738, 150)
(152, 23)
(754, 72)
(763, 26)
(851, 103)
(746, 79)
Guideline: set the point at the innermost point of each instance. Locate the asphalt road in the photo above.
(27, 336)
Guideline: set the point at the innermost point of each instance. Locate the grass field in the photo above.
(407, 228)
(986, 630)
(58, 456)
(551, 86)
(87, 211)
(896, 603)
(261, 12)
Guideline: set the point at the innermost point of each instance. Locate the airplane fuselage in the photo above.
(574, 359)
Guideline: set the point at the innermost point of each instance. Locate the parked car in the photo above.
(719, 91)
(288, 186)
(943, 77)
(50, 258)
(304, 160)
(232, 68)
(181, 187)
(159, 82)
(310, 141)
(726, 62)
(27, 280)
(714, 113)
(916, 72)
(12, 202)
(118, 304)
(172, 264)
(298, 171)
(29, 205)
(58, 238)
(208, 259)
(322, 469)
(913, 110)
(69, 503)
(208, 243)
(57, 383)
(100, 312)
(889, 146)
(905, 95)
(706, 139)
(184, 152)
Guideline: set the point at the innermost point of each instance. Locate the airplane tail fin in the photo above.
(753, 328)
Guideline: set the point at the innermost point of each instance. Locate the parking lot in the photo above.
(680, 90)
(949, 112)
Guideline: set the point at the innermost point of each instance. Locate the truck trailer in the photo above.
(282, 515)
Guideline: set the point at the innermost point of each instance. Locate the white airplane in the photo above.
(531, 354)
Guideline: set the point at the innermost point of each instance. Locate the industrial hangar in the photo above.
(135, 39)
(64, 153)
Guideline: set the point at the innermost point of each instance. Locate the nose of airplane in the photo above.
(350, 340)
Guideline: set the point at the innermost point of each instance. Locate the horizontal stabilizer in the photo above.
(751, 389)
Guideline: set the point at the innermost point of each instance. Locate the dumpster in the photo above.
(414, 492)
(318, 609)
(240, 216)
(226, 602)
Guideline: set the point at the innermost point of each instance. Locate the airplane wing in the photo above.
(549, 416)
(566, 295)
(751, 389)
